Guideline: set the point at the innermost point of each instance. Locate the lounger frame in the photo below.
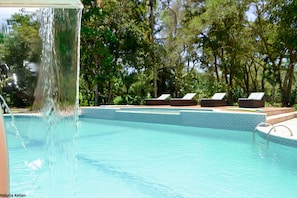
(215, 101)
(187, 100)
(161, 100)
(255, 100)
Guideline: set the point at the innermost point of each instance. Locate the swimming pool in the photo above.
(132, 159)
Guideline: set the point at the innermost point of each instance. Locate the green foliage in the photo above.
(1, 38)
(200, 46)
(127, 100)
(186, 46)
(197, 46)
(20, 48)
(113, 41)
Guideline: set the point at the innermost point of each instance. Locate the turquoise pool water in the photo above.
(127, 159)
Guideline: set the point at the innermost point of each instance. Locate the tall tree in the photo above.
(114, 40)
(152, 4)
(283, 13)
(275, 26)
(218, 28)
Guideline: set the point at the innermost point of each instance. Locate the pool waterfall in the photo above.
(55, 96)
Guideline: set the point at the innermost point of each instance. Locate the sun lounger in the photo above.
(187, 100)
(161, 100)
(254, 100)
(215, 101)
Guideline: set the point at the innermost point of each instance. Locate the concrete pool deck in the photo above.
(286, 129)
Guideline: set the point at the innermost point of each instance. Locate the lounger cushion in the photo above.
(189, 96)
(163, 97)
(218, 96)
(187, 100)
(256, 96)
(215, 101)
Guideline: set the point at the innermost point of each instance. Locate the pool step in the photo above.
(277, 111)
(277, 118)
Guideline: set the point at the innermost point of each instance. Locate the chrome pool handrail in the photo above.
(273, 127)
(268, 134)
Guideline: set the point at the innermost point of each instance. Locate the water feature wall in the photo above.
(46, 64)
(45, 36)
(57, 88)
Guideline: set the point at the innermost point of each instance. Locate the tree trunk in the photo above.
(96, 95)
(287, 86)
(216, 68)
(246, 79)
(152, 25)
(263, 84)
(109, 92)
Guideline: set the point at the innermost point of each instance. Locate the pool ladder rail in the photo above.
(273, 128)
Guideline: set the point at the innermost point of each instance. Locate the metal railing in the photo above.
(273, 128)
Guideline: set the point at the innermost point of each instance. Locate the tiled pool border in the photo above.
(240, 121)
(277, 139)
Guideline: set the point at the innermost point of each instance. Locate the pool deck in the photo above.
(286, 129)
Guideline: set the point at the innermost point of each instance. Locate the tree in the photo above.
(283, 13)
(22, 48)
(114, 40)
(276, 29)
(131, 48)
(218, 29)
